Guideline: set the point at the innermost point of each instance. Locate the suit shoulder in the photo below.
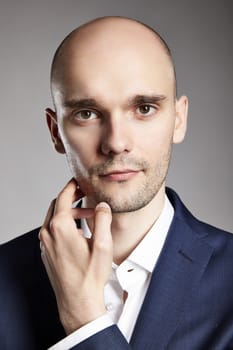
(220, 240)
(215, 237)
(21, 247)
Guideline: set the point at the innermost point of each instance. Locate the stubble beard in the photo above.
(128, 201)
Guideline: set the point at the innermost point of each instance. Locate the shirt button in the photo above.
(130, 270)
(109, 307)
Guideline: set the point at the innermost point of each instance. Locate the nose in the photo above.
(117, 135)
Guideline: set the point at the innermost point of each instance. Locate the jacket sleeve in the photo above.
(108, 338)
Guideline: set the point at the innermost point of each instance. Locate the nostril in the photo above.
(115, 144)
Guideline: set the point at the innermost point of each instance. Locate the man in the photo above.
(121, 263)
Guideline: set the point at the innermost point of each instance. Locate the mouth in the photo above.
(119, 175)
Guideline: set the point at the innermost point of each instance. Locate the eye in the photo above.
(146, 110)
(86, 115)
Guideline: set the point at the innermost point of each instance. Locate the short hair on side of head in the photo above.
(59, 51)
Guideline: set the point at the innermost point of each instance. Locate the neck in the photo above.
(128, 229)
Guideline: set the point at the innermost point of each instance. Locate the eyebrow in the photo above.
(143, 99)
(92, 103)
(81, 103)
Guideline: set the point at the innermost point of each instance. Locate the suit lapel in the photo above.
(176, 276)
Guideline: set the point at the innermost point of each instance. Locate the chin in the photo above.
(125, 204)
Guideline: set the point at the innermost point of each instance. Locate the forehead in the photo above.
(125, 59)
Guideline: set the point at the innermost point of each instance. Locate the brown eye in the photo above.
(146, 110)
(86, 115)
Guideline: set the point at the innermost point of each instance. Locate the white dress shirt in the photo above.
(132, 276)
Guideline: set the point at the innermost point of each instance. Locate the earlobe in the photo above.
(51, 118)
(181, 119)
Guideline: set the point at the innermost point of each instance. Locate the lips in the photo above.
(119, 175)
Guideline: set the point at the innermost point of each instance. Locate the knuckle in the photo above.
(42, 234)
(44, 238)
(53, 225)
(102, 246)
(58, 223)
(61, 224)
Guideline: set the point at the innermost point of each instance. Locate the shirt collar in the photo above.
(148, 250)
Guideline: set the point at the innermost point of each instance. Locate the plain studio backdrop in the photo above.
(200, 36)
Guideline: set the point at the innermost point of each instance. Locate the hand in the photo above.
(78, 270)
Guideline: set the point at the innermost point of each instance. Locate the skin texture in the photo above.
(71, 263)
(116, 118)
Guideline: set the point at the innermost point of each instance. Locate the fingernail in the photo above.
(102, 205)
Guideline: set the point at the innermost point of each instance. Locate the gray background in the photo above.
(200, 36)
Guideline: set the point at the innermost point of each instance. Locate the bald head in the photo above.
(113, 33)
(115, 108)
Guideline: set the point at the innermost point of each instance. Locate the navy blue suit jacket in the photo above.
(188, 306)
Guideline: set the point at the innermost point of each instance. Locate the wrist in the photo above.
(72, 321)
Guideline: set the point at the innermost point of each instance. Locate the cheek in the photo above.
(80, 149)
(157, 140)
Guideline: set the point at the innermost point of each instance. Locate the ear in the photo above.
(51, 118)
(181, 119)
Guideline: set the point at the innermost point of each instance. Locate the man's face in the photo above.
(117, 119)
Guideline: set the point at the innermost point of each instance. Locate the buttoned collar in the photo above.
(147, 252)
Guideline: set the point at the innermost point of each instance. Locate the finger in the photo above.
(79, 213)
(42, 247)
(102, 238)
(79, 194)
(45, 260)
(48, 216)
(45, 240)
(67, 196)
(76, 198)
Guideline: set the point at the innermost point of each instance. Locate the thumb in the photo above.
(102, 249)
